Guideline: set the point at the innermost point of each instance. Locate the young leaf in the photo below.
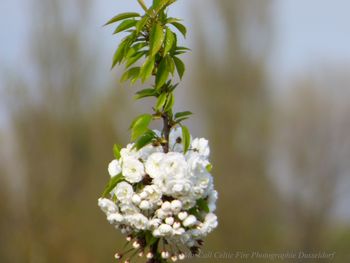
(119, 53)
(131, 74)
(186, 138)
(140, 126)
(116, 151)
(180, 66)
(145, 139)
(169, 41)
(156, 39)
(203, 205)
(150, 239)
(182, 114)
(133, 59)
(209, 167)
(145, 93)
(147, 69)
(169, 103)
(121, 17)
(161, 101)
(170, 64)
(126, 24)
(162, 74)
(180, 27)
(141, 24)
(112, 183)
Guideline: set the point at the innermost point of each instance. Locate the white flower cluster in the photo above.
(171, 195)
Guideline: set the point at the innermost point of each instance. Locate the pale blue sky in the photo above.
(307, 32)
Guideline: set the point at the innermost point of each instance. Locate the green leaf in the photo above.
(180, 66)
(150, 239)
(209, 167)
(126, 24)
(170, 64)
(180, 27)
(169, 103)
(186, 138)
(172, 20)
(145, 93)
(156, 39)
(162, 74)
(203, 205)
(133, 59)
(145, 139)
(161, 101)
(141, 24)
(181, 119)
(147, 69)
(140, 126)
(112, 183)
(121, 17)
(116, 151)
(169, 41)
(182, 114)
(131, 74)
(119, 54)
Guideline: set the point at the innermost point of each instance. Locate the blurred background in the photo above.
(269, 82)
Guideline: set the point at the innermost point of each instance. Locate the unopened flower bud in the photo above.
(181, 256)
(190, 221)
(149, 255)
(165, 254)
(182, 215)
(176, 225)
(166, 206)
(136, 244)
(174, 258)
(169, 220)
(118, 256)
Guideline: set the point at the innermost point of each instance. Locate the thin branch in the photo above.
(143, 5)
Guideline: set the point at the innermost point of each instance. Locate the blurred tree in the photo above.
(232, 85)
(314, 139)
(64, 133)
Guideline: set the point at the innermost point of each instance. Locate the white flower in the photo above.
(114, 168)
(210, 222)
(165, 254)
(115, 218)
(166, 206)
(176, 225)
(176, 206)
(154, 223)
(148, 150)
(179, 231)
(153, 194)
(165, 229)
(182, 216)
(133, 170)
(189, 221)
(145, 205)
(107, 205)
(212, 198)
(139, 221)
(174, 164)
(201, 146)
(136, 199)
(169, 220)
(153, 165)
(129, 151)
(123, 191)
(128, 208)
